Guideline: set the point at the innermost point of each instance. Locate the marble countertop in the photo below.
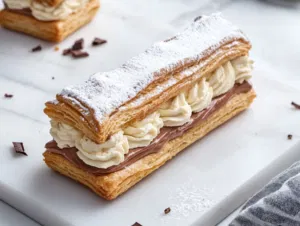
(279, 45)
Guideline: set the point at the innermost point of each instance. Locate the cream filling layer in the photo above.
(222, 79)
(199, 96)
(141, 133)
(243, 67)
(112, 152)
(109, 153)
(46, 13)
(64, 135)
(174, 112)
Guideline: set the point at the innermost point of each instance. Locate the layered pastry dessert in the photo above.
(51, 20)
(119, 126)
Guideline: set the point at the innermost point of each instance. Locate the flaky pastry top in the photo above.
(109, 101)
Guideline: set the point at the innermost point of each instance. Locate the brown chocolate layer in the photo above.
(25, 11)
(166, 134)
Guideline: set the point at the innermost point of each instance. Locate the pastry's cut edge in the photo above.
(112, 185)
(54, 31)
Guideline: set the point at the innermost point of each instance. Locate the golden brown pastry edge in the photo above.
(70, 114)
(53, 31)
(112, 185)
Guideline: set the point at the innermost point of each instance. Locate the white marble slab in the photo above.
(215, 170)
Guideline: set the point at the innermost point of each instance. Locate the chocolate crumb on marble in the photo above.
(78, 44)
(53, 78)
(290, 136)
(137, 224)
(79, 54)
(19, 148)
(297, 106)
(98, 41)
(67, 51)
(36, 49)
(6, 95)
(167, 210)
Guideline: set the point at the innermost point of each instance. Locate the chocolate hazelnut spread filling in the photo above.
(25, 11)
(166, 134)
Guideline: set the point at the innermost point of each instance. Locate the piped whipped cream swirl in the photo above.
(199, 96)
(141, 133)
(103, 155)
(60, 12)
(222, 79)
(243, 67)
(64, 135)
(44, 12)
(176, 111)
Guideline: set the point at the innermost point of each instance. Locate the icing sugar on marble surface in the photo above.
(106, 91)
(187, 199)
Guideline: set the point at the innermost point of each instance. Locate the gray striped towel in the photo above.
(277, 204)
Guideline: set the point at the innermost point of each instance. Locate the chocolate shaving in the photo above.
(137, 224)
(67, 51)
(19, 148)
(290, 136)
(168, 210)
(6, 95)
(197, 18)
(79, 54)
(78, 45)
(37, 48)
(297, 106)
(98, 41)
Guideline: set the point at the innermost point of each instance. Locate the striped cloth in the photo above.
(277, 204)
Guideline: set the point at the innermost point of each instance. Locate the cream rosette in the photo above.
(141, 133)
(199, 96)
(110, 153)
(222, 79)
(176, 111)
(64, 135)
(60, 12)
(243, 67)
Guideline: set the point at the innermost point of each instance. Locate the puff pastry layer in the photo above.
(112, 185)
(54, 31)
(148, 80)
(108, 102)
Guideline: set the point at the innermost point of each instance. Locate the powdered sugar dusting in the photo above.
(106, 91)
(157, 90)
(187, 199)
